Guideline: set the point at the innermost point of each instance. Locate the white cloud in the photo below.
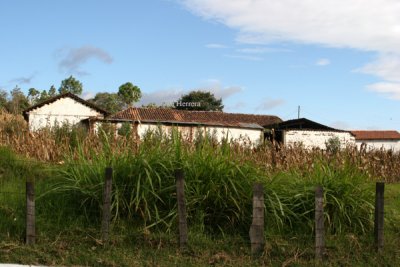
(372, 25)
(341, 125)
(268, 104)
(215, 86)
(161, 97)
(169, 96)
(387, 67)
(88, 95)
(216, 46)
(323, 62)
(245, 57)
(390, 89)
(261, 50)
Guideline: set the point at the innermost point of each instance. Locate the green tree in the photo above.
(154, 105)
(108, 101)
(199, 100)
(52, 91)
(129, 93)
(18, 101)
(43, 96)
(71, 85)
(33, 96)
(333, 145)
(3, 99)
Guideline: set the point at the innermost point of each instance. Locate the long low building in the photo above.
(242, 128)
(388, 140)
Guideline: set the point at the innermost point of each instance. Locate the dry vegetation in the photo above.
(218, 193)
(52, 146)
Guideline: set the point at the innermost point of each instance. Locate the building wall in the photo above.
(378, 144)
(64, 110)
(312, 139)
(243, 136)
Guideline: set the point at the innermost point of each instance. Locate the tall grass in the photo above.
(218, 188)
(219, 179)
(51, 144)
(14, 172)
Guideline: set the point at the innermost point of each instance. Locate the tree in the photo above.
(154, 105)
(3, 99)
(129, 93)
(199, 100)
(33, 96)
(43, 96)
(18, 101)
(71, 85)
(108, 101)
(52, 91)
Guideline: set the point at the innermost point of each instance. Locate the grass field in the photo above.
(68, 220)
(219, 179)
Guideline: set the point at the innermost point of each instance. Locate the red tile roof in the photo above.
(376, 135)
(196, 117)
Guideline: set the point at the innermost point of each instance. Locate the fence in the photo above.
(256, 231)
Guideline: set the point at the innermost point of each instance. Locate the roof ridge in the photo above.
(67, 94)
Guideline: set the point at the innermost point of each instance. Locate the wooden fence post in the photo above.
(180, 194)
(319, 224)
(30, 214)
(105, 223)
(257, 238)
(379, 215)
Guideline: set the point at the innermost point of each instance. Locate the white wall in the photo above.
(64, 110)
(378, 144)
(243, 136)
(311, 139)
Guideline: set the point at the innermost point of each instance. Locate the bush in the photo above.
(333, 145)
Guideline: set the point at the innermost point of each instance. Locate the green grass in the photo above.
(218, 195)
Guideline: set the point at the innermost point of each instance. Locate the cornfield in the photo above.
(52, 145)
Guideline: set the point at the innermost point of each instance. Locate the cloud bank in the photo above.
(372, 25)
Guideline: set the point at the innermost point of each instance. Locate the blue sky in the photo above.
(337, 59)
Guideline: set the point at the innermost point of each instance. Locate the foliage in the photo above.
(207, 101)
(44, 95)
(52, 91)
(18, 101)
(333, 144)
(218, 180)
(3, 99)
(125, 129)
(33, 95)
(111, 102)
(129, 93)
(154, 105)
(70, 85)
(218, 187)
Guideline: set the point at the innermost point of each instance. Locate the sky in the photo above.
(338, 60)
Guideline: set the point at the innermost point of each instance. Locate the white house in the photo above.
(378, 140)
(308, 134)
(243, 128)
(61, 109)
